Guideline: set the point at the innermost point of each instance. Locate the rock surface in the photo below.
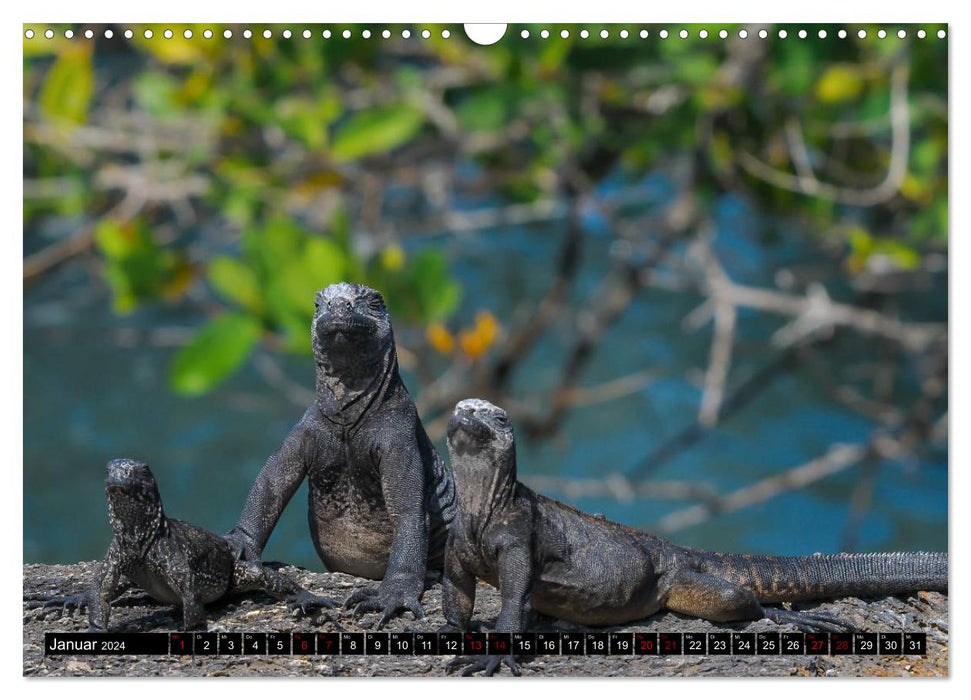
(923, 612)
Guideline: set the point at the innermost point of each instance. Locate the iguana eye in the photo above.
(501, 421)
(376, 304)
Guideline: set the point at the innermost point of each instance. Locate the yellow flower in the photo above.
(439, 338)
(393, 258)
(477, 341)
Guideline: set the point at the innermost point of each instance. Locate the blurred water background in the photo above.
(186, 188)
(95, 388)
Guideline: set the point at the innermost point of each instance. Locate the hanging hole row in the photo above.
(228, 34)
(525, 34)
(724, 34)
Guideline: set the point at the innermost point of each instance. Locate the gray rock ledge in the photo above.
(923, 612)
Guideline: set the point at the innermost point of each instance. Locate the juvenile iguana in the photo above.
(381, 498)
(171, 560)
(547, 556)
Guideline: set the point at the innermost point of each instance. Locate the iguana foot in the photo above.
(809, 621)
(306, 603)
(388, 600)
(487, 664)
(57, 604)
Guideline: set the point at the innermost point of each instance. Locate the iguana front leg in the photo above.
(274, 487)
(515, 577)
(250, 576)
(458, 590)
(404, 579)
(403, 487)
(56, 604)
(107, 586)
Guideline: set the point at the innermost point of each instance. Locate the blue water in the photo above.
(95, 389)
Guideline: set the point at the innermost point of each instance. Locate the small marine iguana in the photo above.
(171, 560)
(381, 499)
(562, 562)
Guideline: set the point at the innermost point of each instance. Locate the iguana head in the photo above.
(134, 502)
(478, 426)
(483, 451)
(354, 349)
(350, 320)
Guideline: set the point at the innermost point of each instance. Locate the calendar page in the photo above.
(540, 350)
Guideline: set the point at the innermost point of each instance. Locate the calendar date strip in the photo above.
(521, 644)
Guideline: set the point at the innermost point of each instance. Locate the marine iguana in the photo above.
(171, 560)
(547, 556)
(381, 499)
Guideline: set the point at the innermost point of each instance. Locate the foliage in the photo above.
(276, 145)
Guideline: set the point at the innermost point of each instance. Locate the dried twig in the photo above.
(806, 181)
(836, 459)
(616, 486)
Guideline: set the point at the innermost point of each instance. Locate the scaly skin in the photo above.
(171, 560)
(381, 499)
(547, 556)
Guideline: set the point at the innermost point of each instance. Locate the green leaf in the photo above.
(697, 69)
(795, 67)
(438, 295)
(321, 263)
(274, 245)
(158, 93)
(553, 54)
(117, 240)
(928, 155)
(217, 350)
(484, 110)
(136, 268)
(839, 83)
(307, 120)
(40, 45)
(376, 130)
(903, 256)
(178, 49)
(69, 85)
(235, 282)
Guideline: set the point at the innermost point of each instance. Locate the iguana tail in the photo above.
(778, 579)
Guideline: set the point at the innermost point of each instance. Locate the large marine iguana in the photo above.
(547, 556)
(381, 498)
(171, 560)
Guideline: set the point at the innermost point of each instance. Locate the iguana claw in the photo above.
(387, 600)
(305, 601)
(57, 604)
(487, 664)
(809, 621)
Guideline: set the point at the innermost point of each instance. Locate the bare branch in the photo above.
(744, 394)
(806, 181)
(723, 338)
(816, 309)
(611, 390)
(836, 459)
(80, 242)
(617, 486)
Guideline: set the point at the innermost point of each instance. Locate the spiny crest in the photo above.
(346, 290)
(491, 417)
(126, 469)
(476, 405)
